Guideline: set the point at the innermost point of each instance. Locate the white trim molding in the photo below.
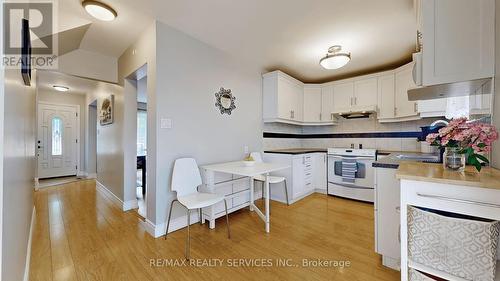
(158, 230)
(130, 205)
(125, 206)
(81, 174)
(28, 250)
(92, 176)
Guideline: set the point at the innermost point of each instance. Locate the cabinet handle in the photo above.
(320, 117)
(351, 100)
(458, 200)
(331, 116)
(415, 106)
(355, 100)
(395, 111)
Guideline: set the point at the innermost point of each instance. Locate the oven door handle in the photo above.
(354, 157)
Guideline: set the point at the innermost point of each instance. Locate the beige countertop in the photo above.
(429, 172)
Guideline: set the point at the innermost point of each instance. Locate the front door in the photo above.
(58, 143)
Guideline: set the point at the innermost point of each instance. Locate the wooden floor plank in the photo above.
(82, 235)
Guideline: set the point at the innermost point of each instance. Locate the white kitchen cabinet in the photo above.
(342, 97)
(387, 211)
(282, 98)
(404, 82)
(458, 40)
(288, 100)
(365, 93)
(312, 103)
(327, 104)
(386, 96)
(307, 174)
(319, 171)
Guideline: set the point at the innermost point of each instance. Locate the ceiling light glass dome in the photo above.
(335, 59)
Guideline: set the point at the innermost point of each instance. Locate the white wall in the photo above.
(495, 156)
(18, 173)
(53, 96)
(109, 139)
(90, 65)
(191, 73)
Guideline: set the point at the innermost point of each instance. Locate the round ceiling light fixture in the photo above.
(334, 59)
(60, 88)
(99, 10)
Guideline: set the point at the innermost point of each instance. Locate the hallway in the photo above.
(81, 235)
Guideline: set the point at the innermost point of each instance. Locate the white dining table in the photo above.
(240, 169)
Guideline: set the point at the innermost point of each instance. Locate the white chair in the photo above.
(185, 181)
(257, 156)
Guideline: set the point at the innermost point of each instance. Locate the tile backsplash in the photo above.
(368, 125)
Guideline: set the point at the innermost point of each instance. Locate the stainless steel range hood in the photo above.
(457, 89)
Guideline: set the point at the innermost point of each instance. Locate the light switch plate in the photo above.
(165, 123)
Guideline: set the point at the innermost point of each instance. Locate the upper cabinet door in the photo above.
(312, 103)
(289, 99)
(327, 104)
(343, 97)
(365, 93)
(458, 38)
(386, 96)
(404, 82)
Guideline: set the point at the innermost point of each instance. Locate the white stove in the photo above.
(350, 173)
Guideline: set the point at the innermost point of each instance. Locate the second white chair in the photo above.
(185, 181)
(257, 156)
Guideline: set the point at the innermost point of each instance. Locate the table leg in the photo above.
(251, 193)
(266, 185)
(143, 173)
(210, 180)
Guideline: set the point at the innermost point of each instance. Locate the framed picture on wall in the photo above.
(107, 110)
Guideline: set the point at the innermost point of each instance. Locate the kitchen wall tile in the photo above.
(393, 144)
(410, 145)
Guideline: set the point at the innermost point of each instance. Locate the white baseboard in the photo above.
(130, 205)
(319, 190)
(92, 176)
(158, 230)
(81, 174)
(37, 184)
(28, 249)
(124, 206)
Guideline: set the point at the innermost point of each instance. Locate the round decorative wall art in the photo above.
(224, 101)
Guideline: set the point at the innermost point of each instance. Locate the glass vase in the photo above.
(453, 159)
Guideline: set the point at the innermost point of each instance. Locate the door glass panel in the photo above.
(56, 136)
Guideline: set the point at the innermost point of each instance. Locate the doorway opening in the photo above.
(136, 112)
(141, 137)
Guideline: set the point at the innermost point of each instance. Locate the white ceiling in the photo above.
(76, 85)
(290, 35)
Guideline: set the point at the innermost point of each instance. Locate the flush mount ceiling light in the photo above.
(60, 88)
(335, 59)
(99, 10)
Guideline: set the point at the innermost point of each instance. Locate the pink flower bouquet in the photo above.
(474, 139)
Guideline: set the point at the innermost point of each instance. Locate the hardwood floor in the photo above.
(81, 235)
